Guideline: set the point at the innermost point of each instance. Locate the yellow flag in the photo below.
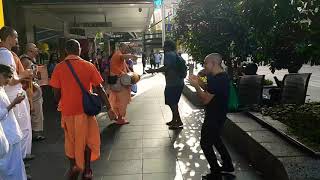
(1, 15)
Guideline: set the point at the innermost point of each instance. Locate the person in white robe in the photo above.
(9, 39)
(11, 164)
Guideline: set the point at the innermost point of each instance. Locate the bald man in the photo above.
(119, 99)
(28, 61)
(215, 98)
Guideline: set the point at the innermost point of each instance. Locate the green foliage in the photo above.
(282, 33)
(303, 120)
(267, 82)
(279, 31)
(209, 26)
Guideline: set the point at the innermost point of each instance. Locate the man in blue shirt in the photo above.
(215, 99)
(174, 82)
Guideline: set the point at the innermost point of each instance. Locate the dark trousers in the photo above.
(211, 136)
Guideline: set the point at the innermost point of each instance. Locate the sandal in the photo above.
(38, 138)
(73, 173)
(170, 123)
(176, 126)
(87, 175)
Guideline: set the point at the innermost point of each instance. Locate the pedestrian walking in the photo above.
(152, 60)
(157, 57)
(215, 99)
(82, 135)
(144, 62)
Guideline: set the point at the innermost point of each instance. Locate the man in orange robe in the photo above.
(119, 100)
(82, 135)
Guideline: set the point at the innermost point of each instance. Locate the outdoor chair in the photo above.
(250, 88)
(294, 88)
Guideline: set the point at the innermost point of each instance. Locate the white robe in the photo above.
(22, 113)
(11, 164)
(22, 110)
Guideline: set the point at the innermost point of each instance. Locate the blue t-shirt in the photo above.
(216, 110)
(172, 76)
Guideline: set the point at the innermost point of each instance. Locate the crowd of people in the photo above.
(21, 105)
(112, 78)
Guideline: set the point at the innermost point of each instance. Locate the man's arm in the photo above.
(26, 63)
(129, 56)
(162, 69)
(102, 93)
(57, 94)
(204, 96)
(203, 85)
(25, 75)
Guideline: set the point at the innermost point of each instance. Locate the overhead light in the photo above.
(132, 4)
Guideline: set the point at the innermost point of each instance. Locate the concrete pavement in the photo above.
(143, 150)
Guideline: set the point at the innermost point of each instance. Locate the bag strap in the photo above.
(76, 77)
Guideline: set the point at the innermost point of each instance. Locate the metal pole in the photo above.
(163, 22)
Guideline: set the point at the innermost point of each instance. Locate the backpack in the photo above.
(181, 66)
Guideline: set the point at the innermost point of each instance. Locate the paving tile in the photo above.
(124, 167)
(130, 135)
(197, 165)
(240, 118)
(252, 126)
(128, 143)
(123, 177)
(131, 128)
(163, 176)
(159, 165)
(158, 127)
(153, 116)
(264, 136)
(164, 153)
(152, 143)
(145, 122)
(156, 134)
(126, 154)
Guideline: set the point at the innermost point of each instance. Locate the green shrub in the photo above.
(267, 82)
(303, 120)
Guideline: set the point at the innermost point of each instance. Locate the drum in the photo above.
(116, 86)
(135, 78)
(129, 78)
(125, 79)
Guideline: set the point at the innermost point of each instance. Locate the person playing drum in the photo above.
(120, 99)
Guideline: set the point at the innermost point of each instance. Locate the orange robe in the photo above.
(80, 129)
(119, 100)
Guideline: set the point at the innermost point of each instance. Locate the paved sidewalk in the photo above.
(143, 150)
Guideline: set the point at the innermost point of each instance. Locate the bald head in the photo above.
(123, 48)
(73, 47)
(30, 46)
(213, 63)
(32, 50)
(215, 58)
